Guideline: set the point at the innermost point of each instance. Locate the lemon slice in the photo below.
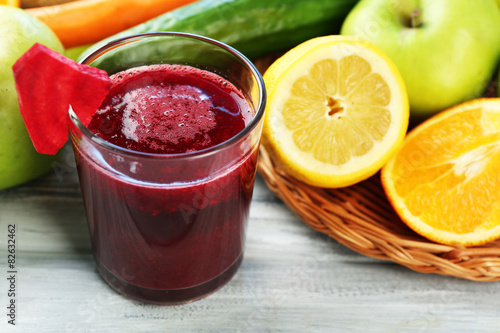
(337, 110)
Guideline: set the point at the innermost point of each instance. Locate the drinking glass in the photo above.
(170, 228)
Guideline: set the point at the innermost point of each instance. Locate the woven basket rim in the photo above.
(361, 218)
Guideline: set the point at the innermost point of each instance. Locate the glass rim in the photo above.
(259, 107)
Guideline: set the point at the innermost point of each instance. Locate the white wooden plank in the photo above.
(293, 279)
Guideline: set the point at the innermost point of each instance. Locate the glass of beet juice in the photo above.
(167, 164)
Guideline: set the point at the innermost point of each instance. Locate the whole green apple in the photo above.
(446, 50)
(19, 162)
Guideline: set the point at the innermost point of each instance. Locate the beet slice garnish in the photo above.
(47, 83)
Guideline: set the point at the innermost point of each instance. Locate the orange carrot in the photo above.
(88, 21)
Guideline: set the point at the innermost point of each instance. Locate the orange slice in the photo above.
(337, 110)
(14, 3)
(445, 181)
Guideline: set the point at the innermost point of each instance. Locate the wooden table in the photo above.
(293, 279)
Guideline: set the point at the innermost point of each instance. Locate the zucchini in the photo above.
(254, 27)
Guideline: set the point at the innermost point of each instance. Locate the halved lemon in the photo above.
(445, 181)
(337, 110)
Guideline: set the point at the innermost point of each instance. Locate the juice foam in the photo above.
(170, 109)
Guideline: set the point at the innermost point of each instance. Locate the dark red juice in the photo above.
(164, 228)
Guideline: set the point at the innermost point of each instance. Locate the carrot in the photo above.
(88, 21)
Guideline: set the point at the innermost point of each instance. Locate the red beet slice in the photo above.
(47, 83)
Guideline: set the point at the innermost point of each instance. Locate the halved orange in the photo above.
(445, 181)
(14, 3)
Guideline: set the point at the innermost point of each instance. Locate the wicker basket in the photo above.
(361, 218)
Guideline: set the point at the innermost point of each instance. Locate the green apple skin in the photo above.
(19, 162)
(448, 57)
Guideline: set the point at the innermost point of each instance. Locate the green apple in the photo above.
(19, 162)
(446, 50)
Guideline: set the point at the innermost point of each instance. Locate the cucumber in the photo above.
(254, 27)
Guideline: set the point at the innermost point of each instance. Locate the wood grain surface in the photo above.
(293, 279)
